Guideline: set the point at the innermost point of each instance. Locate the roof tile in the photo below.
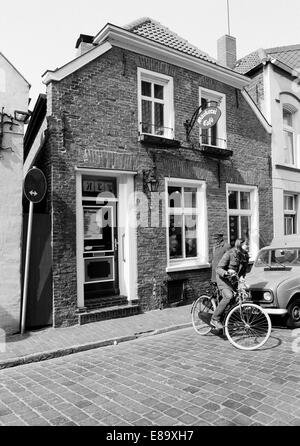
(289, 55)
(153, 30)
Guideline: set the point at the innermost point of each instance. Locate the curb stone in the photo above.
(57, 353)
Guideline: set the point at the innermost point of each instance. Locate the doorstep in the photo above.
(113, 312)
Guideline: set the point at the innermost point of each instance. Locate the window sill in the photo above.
(160, 141)
(287, 167)
(187, 267)
(215, 152)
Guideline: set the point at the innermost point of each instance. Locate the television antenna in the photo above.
(228, 16)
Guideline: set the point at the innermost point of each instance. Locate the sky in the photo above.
(39, 35)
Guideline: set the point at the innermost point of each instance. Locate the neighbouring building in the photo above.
(275, 88)
(135, 189)
(14, 100)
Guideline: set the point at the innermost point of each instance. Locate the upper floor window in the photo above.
(289, 137)
(155, 99)
(216, 135)
(290, 214)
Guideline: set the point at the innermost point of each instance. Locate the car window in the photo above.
(275, 257)
(262, 259)
(284, 257)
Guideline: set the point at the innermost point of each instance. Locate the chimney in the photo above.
(227, 51)
(84, 44)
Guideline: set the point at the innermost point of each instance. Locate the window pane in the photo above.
(203, 103)
(146, 88)
(287, 118)
(205, 138)
(158, 91)
(245, 200)
(191, 236)
(289, 225)
(146, 117)
(288, 147)
(233, 199)
(289, 203)
(245, 227)
(213, 136)
(175, 236)
(159, 118)
(174, 197)
(190, 195)
(234, 229)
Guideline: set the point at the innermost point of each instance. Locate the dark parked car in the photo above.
(274, 281)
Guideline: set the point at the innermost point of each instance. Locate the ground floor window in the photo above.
(186, 222)
(290, 214)
(242, 208)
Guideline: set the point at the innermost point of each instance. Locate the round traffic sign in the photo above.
(35, 185)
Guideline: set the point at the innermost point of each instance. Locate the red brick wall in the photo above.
(256, 88)
(96, 108)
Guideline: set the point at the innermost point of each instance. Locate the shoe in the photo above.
(216, 324)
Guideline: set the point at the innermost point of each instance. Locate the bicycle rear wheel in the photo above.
(202, 311)
(248, 326)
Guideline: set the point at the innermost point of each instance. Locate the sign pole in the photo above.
(27, 260)
(35, 187)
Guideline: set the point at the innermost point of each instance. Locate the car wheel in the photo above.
(294, 314)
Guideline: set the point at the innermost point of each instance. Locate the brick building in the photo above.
(274, 87)
(134, 199)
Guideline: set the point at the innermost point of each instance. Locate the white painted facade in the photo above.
(14, 93)
(282, 92)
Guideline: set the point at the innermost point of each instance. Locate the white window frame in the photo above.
(288, 213)
(220, 99)
(201, 261)
(290, 130)
(167, 83)
(253, 212)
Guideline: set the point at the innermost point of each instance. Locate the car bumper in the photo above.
(276, 311)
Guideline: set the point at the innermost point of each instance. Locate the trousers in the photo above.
(227, 295)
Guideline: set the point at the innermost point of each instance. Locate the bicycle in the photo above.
(247, 326)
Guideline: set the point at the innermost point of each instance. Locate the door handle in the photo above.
(116, 244)
(123, 247)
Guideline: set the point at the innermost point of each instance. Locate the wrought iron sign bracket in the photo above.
(190, 123)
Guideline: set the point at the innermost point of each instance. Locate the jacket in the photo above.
(218, 253)
(233, 259)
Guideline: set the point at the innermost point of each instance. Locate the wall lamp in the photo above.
(150, 180)
(22, 116)
(7, 119)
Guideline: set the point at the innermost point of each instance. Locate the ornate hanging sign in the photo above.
(209, 117)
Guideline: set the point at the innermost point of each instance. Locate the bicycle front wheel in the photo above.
(248, 326)
(202, 311)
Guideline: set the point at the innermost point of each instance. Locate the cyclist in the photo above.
(233, 263)
(220, 247)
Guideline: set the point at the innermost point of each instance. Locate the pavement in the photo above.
(49, 342)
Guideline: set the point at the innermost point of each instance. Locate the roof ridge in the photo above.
(181, 40)
(131, 25)
(283, 48)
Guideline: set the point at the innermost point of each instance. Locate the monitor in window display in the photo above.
(234, 229)
(191, 236)
(175, 236)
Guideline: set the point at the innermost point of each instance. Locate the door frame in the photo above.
(127, 239)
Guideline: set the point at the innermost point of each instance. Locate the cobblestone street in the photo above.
(177, 378)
